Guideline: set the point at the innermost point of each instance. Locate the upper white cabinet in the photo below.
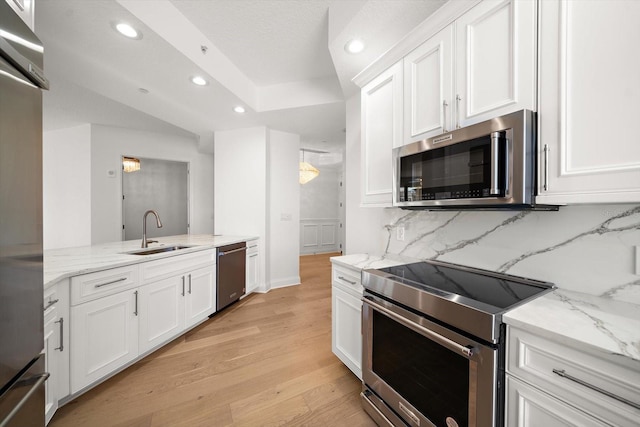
(24, 9)
(428, 87)
(381, 109)
(495, 60)
(589, 97)
(479, 67)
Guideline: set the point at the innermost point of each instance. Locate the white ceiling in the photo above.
(281, 59)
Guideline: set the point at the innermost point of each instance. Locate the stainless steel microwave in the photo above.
(487, 165)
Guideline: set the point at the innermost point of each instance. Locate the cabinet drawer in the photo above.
(539, 361)
(102, 283)
(51, 298)
(347, 278)
(175, 265)
(252, 247)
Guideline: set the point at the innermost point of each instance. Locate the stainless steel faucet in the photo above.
(146, 242)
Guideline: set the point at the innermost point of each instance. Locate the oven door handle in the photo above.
(444, 341)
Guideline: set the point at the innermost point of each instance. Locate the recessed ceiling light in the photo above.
(354, 46)
(127, 30)
(198, 80)
(239, 109)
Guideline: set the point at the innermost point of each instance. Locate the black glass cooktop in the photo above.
(498, 290)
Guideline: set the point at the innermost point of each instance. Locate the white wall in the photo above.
(67, 187)
(256, 188)
(108, 144)
(240, 187)
(284, 209)
(359, 237)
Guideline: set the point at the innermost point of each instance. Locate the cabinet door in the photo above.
(495, 60)
(161, 308)
(528, 407)
(346, 336)
(589, 97)
(381, 110)
(200, 294)
(252, 268)
(104, 336)
(52, 342)
(428, 88)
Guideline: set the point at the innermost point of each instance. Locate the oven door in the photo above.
(425, 373)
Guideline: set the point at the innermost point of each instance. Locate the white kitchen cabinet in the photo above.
(583, 388)
(25, 10)
(104, 337)
(479, 67)
(161, 311)
(346, 317)
(56, 348)
(428, 87)
(253, 266)
(589, 97)
(495, 60)
(381, 126)
(529, 407)
(200, 294)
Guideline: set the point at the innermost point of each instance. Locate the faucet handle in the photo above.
(151, 241)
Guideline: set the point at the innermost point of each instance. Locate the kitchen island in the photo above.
(107, 306)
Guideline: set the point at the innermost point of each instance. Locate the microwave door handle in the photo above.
(495, 162)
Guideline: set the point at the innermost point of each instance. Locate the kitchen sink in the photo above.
(159, 250)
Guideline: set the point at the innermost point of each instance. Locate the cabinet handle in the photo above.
(182, 285)
(252, 246)
(347, 280)
(136, 306)
(546, 167)
(444, 116)
(458, 99)
(122, 279)
(563, 374)
(50, 303)
(189, 284)
(61, 321)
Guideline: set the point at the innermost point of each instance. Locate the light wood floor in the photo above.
(265, 361)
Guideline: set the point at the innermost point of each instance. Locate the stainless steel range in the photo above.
(433, 343)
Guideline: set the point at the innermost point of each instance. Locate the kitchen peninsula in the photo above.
(108, 306)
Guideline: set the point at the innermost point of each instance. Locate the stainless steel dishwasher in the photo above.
(230, 274)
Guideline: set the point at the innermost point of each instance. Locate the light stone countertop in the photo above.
(601, 326)
(66, 262)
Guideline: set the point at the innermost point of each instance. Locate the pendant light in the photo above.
(307, 172)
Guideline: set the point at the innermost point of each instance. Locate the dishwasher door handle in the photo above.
(232, 251)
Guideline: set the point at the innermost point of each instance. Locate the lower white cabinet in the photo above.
(161, 312)
(56, 348)
(253, 267)
(529, 407)
(104, 337)
(161, 300)
(346, 318)
(200, 295)
(551, 383)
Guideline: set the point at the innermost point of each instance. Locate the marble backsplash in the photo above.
(589, 249)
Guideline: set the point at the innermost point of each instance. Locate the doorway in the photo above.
(161, 185)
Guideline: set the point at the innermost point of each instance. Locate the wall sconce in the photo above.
(130, 164)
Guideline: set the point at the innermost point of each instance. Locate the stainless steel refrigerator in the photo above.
(22, 373)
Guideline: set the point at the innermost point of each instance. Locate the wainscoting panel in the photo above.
(319, 235)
